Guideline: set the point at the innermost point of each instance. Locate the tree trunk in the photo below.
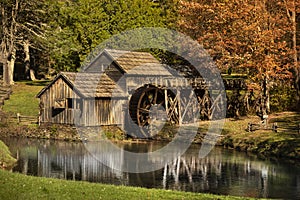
(28, 70)
(32, 75)
(10, 67)
(295, 57)
(26, 59)
(265, 102)
(5, 72)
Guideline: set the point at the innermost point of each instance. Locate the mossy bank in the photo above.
(283, 144)
(6, 160)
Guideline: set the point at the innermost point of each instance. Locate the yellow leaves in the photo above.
(244, 33)
(210, 10)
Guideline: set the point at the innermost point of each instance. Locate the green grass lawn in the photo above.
(23, 99)
(18, 186)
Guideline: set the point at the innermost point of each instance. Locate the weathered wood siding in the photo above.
(55, 107)
(105, 64)
(58, 91)
(134, 82)
(99, 64)
(103, 112)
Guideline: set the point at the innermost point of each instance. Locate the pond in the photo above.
(222, 171)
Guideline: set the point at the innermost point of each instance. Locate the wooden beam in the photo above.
(172, 109)
(187, 106)
(166, 100)
(179, 107)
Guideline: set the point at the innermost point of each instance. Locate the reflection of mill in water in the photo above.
(67, 162)
(222, 172)
(214, 172)
(187, 172)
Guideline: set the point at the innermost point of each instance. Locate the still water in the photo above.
(223, 171)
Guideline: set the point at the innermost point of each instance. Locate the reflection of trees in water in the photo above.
(220, 172)
(213, 174)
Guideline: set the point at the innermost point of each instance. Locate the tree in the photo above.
(22, 23)
(292, 8)
(9, 11)
(248, 35)
(77, 27)
(30, 31)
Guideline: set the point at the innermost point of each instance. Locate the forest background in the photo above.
(257, 38)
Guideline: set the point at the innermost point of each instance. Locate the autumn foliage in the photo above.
(252, 36)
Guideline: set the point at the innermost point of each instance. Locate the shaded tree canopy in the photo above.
(77, 27)
(59, 34)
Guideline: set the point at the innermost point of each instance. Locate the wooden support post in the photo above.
(188, 107)
(249, 127)
(274, 127)
(173, 109)
(166, 101)
(265, 121)
(18, 117)
(179, 107)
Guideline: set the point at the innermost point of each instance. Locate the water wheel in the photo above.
(142, 103)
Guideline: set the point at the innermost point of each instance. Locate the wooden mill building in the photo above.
(99, 94)
(119, 84)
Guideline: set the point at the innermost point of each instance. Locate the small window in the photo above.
(74, 103)
(70, 103)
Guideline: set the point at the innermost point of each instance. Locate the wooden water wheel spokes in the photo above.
(143, 110)
(150, 97)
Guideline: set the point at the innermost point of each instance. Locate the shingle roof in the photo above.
(90, 85)
(136, 63)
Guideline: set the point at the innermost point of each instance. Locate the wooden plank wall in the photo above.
(134, 82)
(103, 112)
(94, 112)
(59, 90)
(99, 64)
(105, 64)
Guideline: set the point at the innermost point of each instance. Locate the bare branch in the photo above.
(32, 31)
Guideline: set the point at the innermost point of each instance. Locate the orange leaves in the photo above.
(242, 34)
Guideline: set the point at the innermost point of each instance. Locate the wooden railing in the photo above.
(274, 127)
(27, 119)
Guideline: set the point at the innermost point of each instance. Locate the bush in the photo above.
(282, 98)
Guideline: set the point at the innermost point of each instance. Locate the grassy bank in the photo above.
(283, 144)
(23, 99)
(6, 160)
(18, 186)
